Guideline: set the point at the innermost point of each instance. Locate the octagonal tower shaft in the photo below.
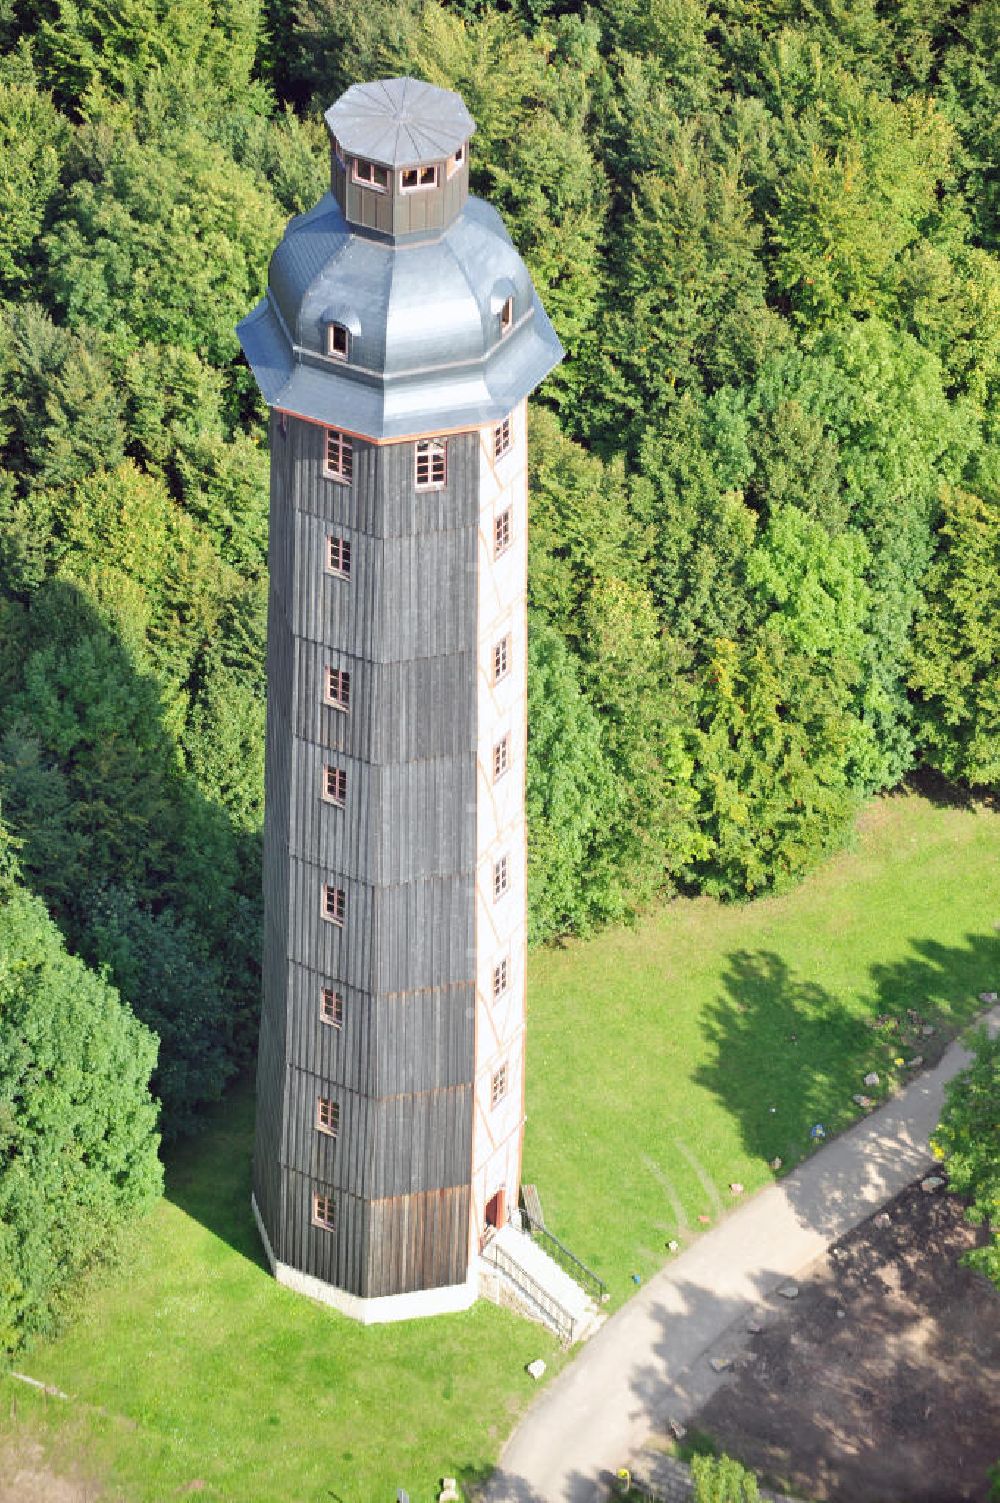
(396, 345)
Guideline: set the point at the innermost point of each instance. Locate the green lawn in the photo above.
(668, 1061)
(655, 1056)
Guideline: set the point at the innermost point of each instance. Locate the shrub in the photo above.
(721, 1479)
(968, 1139)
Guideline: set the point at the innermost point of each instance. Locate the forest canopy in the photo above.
(765, 483)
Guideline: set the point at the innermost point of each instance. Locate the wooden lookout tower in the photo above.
(396, 346)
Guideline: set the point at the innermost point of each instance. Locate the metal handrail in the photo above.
(557, 1250)
(560, 1320)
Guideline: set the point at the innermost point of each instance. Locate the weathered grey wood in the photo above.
(402, 849)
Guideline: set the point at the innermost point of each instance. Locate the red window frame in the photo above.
(501, 977)
(324, 1211)
(338, 557)
(430, 470)
(335, 785)
(502, 530)
(501, 439)
(334, 907)
(338, 688)
(501, 659)
(338, 462)
(501, 877)
(331, 1007)
(498, 1084)
(501, 757)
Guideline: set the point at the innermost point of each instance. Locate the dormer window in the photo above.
(455, 162)
(371, 175)
(506, 316)
(337, 341)
(418, 177)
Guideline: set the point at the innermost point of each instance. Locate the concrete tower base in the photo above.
(370, 1312)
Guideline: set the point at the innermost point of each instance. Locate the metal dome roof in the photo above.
(426, 351)
(400, 122)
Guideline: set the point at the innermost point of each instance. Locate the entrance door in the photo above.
(494, 1215)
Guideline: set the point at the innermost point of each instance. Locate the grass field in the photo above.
(655, 1057)
(668, 1061)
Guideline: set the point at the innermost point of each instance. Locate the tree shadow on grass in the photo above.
(209, 1177)
(789, 1054)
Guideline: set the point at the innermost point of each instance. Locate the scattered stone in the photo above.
(735, 1187)
(865, 1101)
(449, 1491)
(915, 1062)
(987, 997)
(882, 1220)
(775, 1164)
(872, 1078)
(677, 1430)
(772, 1109)
(720, 1364)
(789, 1291)
(673, 1245)
(841, 1314)
(705, 1220)
(928, 1030)
(754, 1327)
(535, 1369)
(933, 1182)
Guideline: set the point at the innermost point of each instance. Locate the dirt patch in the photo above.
(25, 1478)
(881, 1380)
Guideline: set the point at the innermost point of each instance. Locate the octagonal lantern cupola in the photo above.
(399, 157)
(396, 345)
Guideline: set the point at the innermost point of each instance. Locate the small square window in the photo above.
(501, 438)
(507, 316)
(337, 341)
(334, 904)
(501, 877)
(431, 464)
(501, 758)
(338, 557)
(501, 533)
(501, 977)
(338, 688)
(328, 1115)
(323, 1212)
(501, 659)
(498, 1085)
(331, 1007)
(335, 785)
(339, 462)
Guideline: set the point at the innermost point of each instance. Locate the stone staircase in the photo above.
(515, 1271)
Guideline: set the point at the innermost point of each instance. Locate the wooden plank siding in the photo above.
(402, 849)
